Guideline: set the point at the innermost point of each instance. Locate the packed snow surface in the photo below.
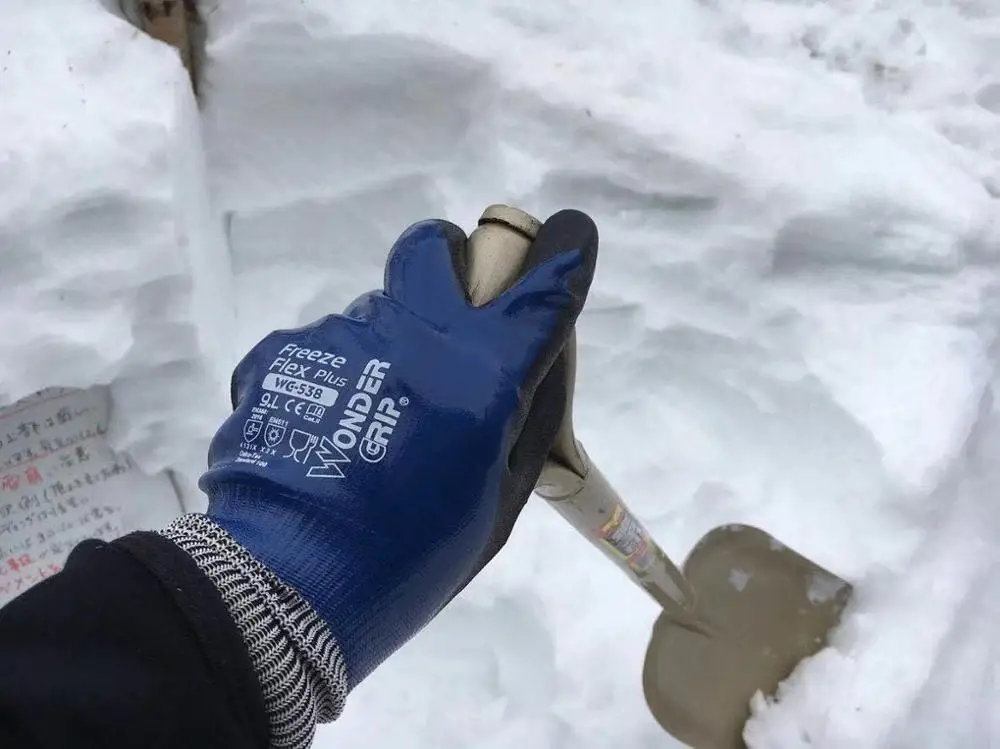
(794, 322)
(109, 254)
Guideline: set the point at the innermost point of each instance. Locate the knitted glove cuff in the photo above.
(301, 670)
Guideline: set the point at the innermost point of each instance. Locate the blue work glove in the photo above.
(377, 460)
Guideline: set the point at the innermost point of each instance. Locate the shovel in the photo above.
(746, 608)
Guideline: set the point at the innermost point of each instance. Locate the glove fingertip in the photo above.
(426, 269)
(565, 231)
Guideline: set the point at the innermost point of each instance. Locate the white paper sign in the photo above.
(60, 483)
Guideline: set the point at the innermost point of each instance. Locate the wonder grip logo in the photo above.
(365, 427)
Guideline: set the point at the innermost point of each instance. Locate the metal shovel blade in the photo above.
(768, 608)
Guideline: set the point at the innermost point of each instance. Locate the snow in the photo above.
(794, 323)
(114, 271)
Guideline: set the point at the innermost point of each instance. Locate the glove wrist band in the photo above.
(301, 669)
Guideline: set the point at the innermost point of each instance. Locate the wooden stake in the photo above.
(173, 22)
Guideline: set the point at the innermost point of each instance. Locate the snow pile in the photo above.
(114, 270)
(794, 321)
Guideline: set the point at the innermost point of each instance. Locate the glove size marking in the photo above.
(276, 427)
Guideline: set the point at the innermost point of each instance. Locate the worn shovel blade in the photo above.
(767, 608)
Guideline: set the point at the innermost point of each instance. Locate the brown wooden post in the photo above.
(170, 21)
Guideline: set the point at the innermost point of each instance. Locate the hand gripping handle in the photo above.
(570, 482)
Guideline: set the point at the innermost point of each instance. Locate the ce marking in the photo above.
(293, 406)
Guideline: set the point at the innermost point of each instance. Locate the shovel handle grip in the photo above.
(497, 250)
(569, 481)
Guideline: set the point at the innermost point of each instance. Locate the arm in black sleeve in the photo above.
(179, 638)
(131, 645)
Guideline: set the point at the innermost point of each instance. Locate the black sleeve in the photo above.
(129, 646)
